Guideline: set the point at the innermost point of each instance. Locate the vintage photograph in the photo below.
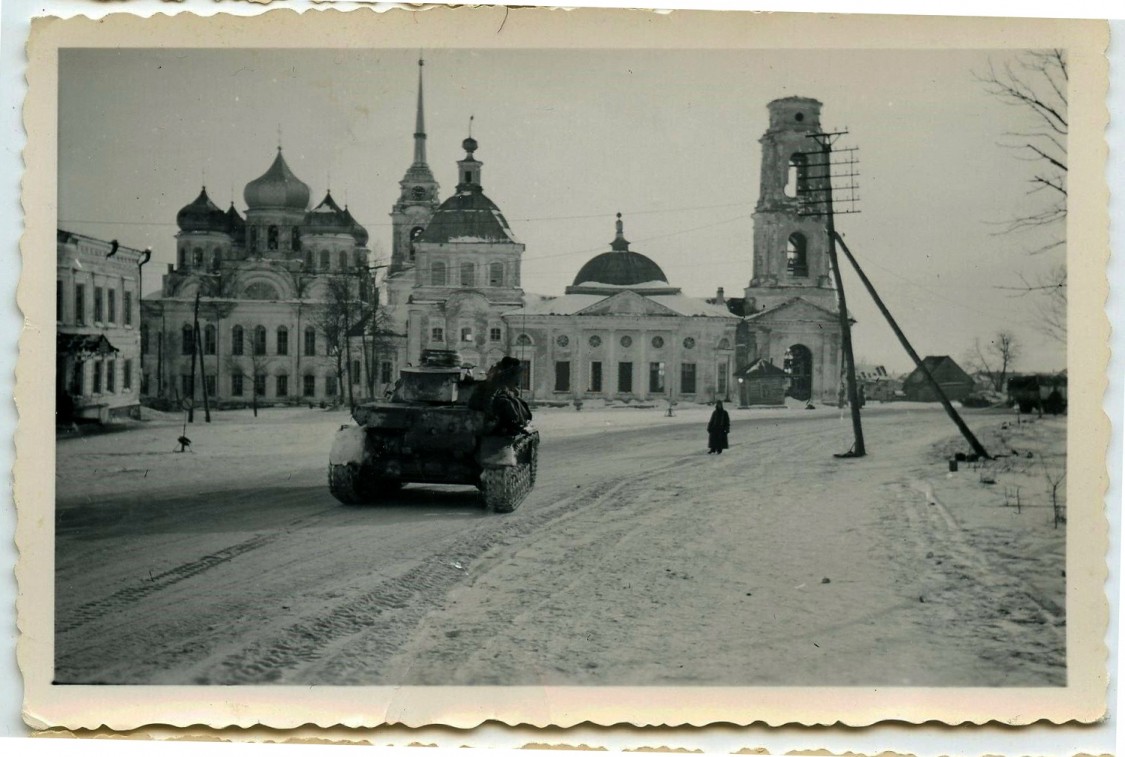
(393, 366)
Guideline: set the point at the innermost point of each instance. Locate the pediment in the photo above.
(796, 309)
(627, 303)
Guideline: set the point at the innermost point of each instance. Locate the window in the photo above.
(210, 385)
(797, 179)
(259, 340)
(325, 260)
(467, 334)
(127, 308)
(236, 384)
(687, 378)
(626, 341)
(596, 376)
(343, 256)
(209, 341)
(468, 177)
(689, 343)
(310, 341)
(237, 340)
(625, 377)
(523, 340)
(187, 386)
(144, 341)
(595, 341)
(253, 238)
(437, 334)
(796, 259)
(144, 383)
(99, 315)
(260, 385)
(656, 377)
(356, 373)
(562, 340)
(182, 257)
(724, 344)
(272, 238)
(110, 376)
(437, 273)
(723, 369)
(187, 340)
(525, 375)
(310, 386)
(127, 376)
(197, 257)
(282, 340)
(495, 334)
(468, 275)
(385, 372)
(79, 386)
(80, 304)
(282, 386)
(496, 275)
(359, 259)
(310, 260)
(295, 239)
(329, 386)
(111, 306)
(562, 376)
(658, 342)
(216, 261)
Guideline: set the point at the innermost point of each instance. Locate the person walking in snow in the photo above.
(717, 430)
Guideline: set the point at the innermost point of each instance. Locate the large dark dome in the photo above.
(625, 268)
(468, 216)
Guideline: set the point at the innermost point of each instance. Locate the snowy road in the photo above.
(638, 559)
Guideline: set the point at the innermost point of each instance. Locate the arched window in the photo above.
(360, 262)
(216, 260)
(343, 260)
(310, 261)
(797, 179)
(415, 234)
(282, 340)
(253, 239)
(310, 341)
(496, 275)
(468, 274)
(295, 239)
(796, 259)
(259, 340)
(724, 344)
(272, 238)
(325, 260)
(237, 342)
(187, 340)
(197, 257)
(523, 340)
(437, 273)
(208, 340)
(183, 257)
(260, 290)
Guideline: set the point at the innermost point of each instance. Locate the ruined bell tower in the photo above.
(790, 249)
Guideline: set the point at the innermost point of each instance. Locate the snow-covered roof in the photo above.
(570, 304)
(685, 305)
(567, 304)
(622, 287)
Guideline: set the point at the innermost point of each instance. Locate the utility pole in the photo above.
(949, 409)
(817, 201)
(191, 380)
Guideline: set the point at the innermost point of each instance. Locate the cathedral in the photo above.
(620, 332)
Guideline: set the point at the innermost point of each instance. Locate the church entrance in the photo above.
(798, 364)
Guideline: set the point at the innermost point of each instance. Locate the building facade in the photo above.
(260, 287)
(98, 327)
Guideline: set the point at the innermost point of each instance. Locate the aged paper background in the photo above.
(282, 707)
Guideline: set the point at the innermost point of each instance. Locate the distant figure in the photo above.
(498, 397)
(717, 430)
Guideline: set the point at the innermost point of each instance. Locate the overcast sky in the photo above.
(568, 139)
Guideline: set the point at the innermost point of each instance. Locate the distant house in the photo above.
(875, 384)
(954, 382)
(762, 383)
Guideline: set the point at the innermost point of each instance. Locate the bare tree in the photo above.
(250, 362)
(336, 318)
(996, 359)
(1036, 82)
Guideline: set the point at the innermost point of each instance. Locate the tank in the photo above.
(426, 433)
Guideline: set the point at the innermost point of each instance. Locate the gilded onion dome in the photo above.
(201, 215)
(277, 188)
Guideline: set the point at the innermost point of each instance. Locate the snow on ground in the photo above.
(638, 559)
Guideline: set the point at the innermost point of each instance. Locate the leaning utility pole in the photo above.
(817, 200)
(956, 418)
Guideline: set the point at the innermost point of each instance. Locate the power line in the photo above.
(646, 239)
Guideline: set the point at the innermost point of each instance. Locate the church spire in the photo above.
(420, 122)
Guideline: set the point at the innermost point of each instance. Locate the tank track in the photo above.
(504, 489)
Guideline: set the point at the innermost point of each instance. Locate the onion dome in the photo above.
(327, 218)
(358, 231)
(201, 215)
(277, 188)
(620, 267)
(236, 224)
